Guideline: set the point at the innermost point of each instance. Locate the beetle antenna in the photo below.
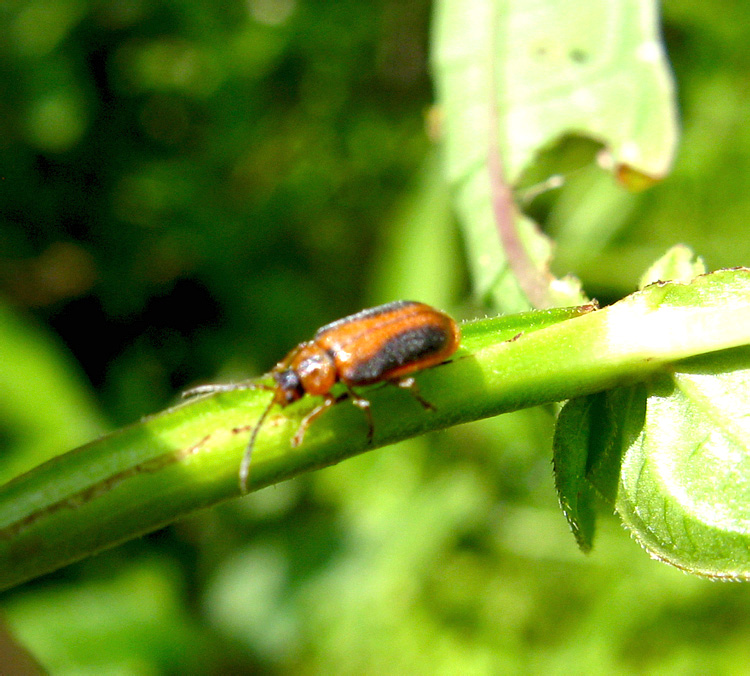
(225, 387)
(245, 465)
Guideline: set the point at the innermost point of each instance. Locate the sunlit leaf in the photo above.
(513, 78)
(679, 264)
(685, 483)
(672, 454)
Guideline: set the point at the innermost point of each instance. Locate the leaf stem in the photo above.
(146, 475)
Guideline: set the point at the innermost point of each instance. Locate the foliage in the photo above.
(189, 189)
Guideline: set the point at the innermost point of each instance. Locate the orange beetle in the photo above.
(381, 344)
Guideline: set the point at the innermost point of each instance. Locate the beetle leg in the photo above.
(364, 405)
(329, 401)
(411, 385)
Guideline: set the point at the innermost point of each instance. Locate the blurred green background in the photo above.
(188, 189)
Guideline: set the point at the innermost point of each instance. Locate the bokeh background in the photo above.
(188, 189)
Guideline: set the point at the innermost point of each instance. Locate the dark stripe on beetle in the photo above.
(403, 348)
(369, 313)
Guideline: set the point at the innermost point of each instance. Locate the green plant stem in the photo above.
(187, 457)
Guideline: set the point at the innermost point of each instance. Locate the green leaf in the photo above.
(685, 483)
(673, 455)
(679, 264)
(512, 78)
(571, 452)
(590, 435)
(672, 320)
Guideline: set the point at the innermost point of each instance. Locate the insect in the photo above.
(380, 344)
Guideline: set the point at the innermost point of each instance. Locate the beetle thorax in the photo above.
(315, 369)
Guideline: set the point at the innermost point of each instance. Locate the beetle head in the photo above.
(289, 387)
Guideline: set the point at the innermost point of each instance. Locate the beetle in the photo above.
(386, 343)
